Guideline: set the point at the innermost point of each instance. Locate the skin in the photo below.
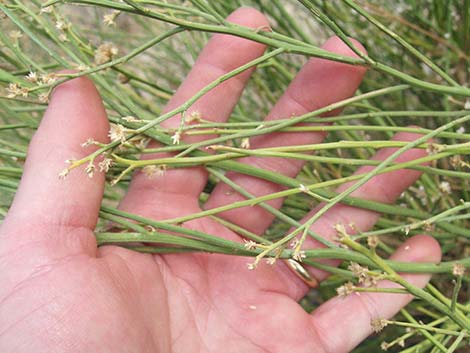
(60, 293)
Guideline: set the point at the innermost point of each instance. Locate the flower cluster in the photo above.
(15, 90)
(345, 289)
(154, 170)
(378, 324)
(105, 53)
(363, 274)
(105, 164)
(458, 270)
(245, 143)
(63, 27)
(117, 132)
(109, 18)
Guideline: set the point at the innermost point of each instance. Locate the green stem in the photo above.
(455, 293)
(424, 327)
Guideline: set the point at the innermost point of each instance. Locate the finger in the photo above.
(222, 54)
(319, 83)
(75, 114)
(358, 309)
(385, 188)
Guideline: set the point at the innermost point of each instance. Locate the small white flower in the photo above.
(149, 170)
(105, 164)
(117, 132)
(245, 143)
(341, 232)
(299, 255)
(61, 25)
(32, 77)
(82, 67)
(251, 266)
(467, 105)
(433, 148)
(345, 289)
(90, 170)
(193, 116)
(458, 270)
(13, 90)
(385, 346)
(378, 324)
(47, 9)
(64, 173)
(271, 260)
(444, 186)
(294, 243)
(48, 79)
(108, 19)
(24, 92)
(63, 37)
(429, 227)
(153, 170)
(461, 130)
(372, 241)
(43, 98)
(89, 142)
(362, 273)
(105, 52)
(358, 270)
(303, 188)
(420, 193)
(250, 244)
(339, 227)
(114, 182)
(131, 119)
(176, 137)
(142, 143)
(15, 35)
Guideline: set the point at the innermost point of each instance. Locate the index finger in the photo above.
(44, 204)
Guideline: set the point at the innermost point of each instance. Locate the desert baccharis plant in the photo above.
(138, 51)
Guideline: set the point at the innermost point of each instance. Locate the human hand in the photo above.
(60, 293)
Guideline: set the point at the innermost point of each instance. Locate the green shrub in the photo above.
(137, 53)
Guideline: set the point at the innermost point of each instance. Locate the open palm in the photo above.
(60, 293)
